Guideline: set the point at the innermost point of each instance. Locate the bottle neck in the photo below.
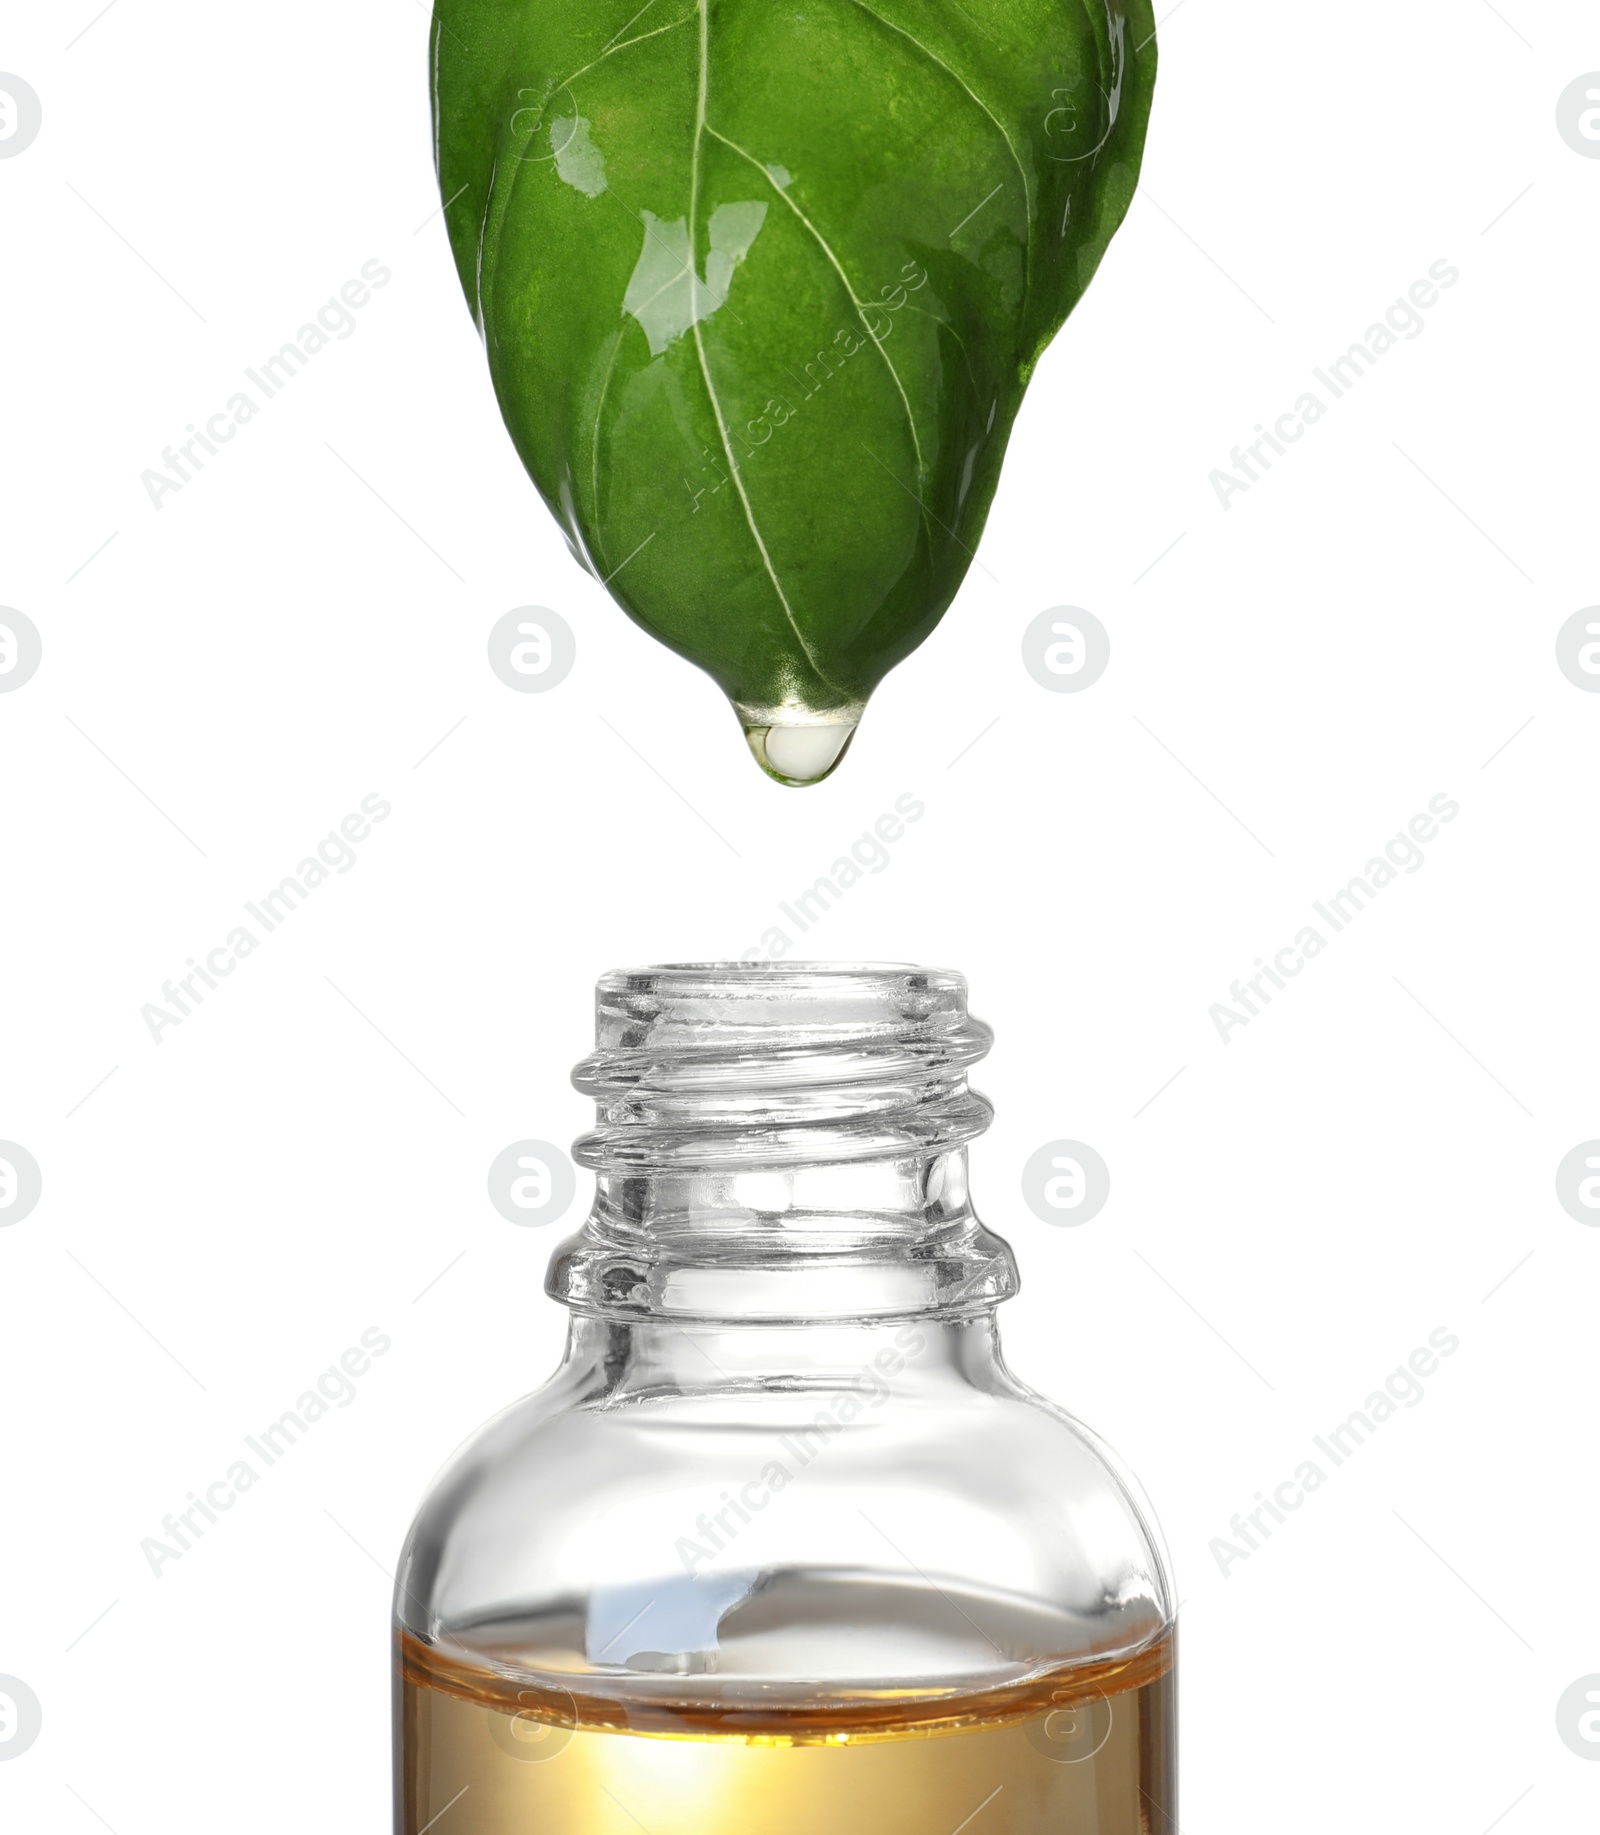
(776, 1146)
(766, 1244)
(611, 1360)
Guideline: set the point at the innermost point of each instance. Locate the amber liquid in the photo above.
(1086, 1749)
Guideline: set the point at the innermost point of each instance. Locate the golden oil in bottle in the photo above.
(1086, 1749)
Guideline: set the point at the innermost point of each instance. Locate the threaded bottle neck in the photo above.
(783, 1141)
(715, 1065)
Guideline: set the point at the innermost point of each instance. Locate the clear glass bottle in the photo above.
(783, 1546)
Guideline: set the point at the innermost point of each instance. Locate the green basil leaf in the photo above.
(762, 283)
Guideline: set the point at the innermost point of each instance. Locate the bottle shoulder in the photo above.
(953, 1496)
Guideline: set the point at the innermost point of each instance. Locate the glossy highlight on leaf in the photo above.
(762, 283)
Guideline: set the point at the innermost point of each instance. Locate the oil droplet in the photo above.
(803, 752)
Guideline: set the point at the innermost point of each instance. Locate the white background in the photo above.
(305, 1156)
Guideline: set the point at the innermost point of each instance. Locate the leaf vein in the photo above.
(495, 210)
(612, 49)
(705, 368)
(844, 280)
(1000, 127)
